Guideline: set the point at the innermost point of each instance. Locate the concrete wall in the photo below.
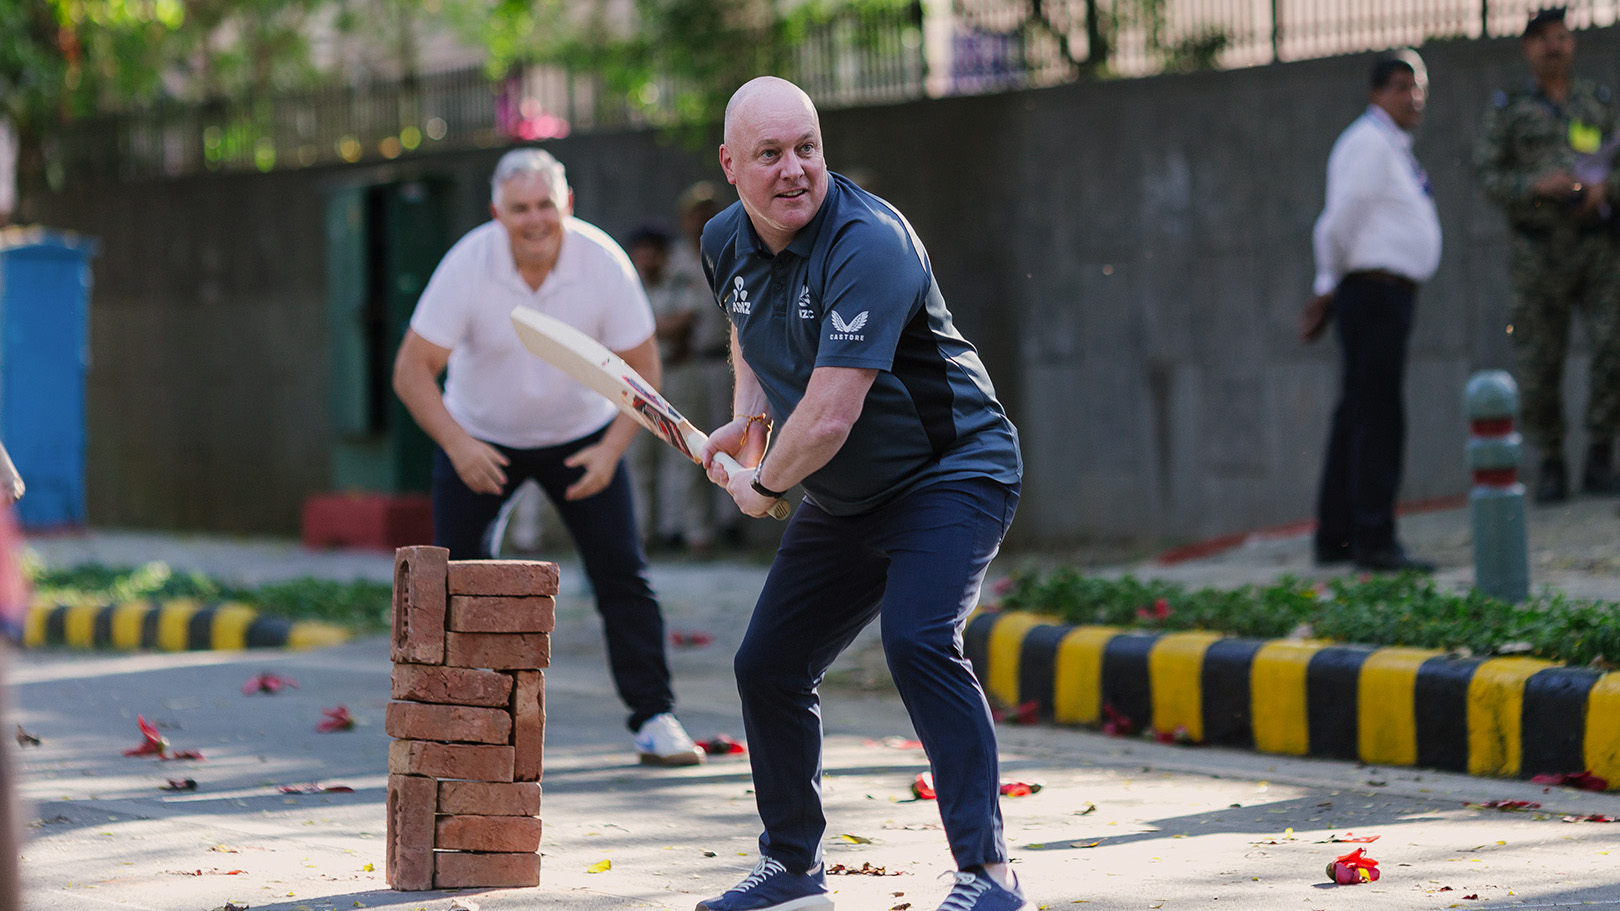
(1130, 256)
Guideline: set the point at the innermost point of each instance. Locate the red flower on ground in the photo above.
(337, 719)
(1115, 722)
(722, 745)
(267, 683)
(1020, 788)
(1584, 780)
(922, 787)
(155, 744)
(1353, 868)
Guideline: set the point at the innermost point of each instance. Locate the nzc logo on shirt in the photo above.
(739, 297)
(848, 332)
(805, 304)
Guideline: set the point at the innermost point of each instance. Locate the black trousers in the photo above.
(603, 527)
(1355, 511)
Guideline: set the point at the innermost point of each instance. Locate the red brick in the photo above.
(456, 870)
(452, 685)
(382, 521)
(500, 651)
(411, 805)
(489, 798)
(528, 725)
(473, 762)
(500, 614)
(421, 594)
(503, 577)
(464, 723)
(487, 833)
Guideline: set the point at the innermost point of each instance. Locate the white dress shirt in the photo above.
(495, 389)
(1379, 212)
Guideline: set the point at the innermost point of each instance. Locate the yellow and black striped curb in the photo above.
(173, 625)
(1507, 717)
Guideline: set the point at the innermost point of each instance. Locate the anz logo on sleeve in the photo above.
(739, 298)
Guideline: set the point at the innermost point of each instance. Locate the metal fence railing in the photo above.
(1001, 43)
(861, 56)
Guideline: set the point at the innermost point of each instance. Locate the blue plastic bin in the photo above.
(44, 353)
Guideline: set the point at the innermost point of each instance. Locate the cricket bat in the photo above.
(600, 370)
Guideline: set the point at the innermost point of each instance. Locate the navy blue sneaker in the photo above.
(770, 887)
(978, 892)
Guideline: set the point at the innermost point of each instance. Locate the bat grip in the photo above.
(779, 509)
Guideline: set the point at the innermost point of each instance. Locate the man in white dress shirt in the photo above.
(1377, 239)
(506, 416)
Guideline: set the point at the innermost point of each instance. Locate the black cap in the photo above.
(1543, 18)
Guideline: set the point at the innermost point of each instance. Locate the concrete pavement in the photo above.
(1120, 822)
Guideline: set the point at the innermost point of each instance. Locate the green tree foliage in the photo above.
(62, 59)
(675, 61)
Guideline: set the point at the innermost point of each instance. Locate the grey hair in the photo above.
(528, 161)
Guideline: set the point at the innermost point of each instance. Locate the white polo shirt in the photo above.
(494, 388)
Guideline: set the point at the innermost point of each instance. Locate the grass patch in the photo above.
(361, 606)
(1407, 610)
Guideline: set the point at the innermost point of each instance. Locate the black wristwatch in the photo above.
(764, 491)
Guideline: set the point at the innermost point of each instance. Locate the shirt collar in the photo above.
(749, 243)
(1381, 118)
(565, 270)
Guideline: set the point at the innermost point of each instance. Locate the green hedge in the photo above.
(1407, 609)
(362, 606)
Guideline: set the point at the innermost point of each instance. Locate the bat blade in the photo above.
(590, 363)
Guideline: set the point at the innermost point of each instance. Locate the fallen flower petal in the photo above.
(1180, 736)
(337, 719)
(1584, 780)
(1024, 713)
(1591, 817)
(1353, 868)
(313, 788)
(183, 754)
(1508, 805)
(25, 739)
(179, 784)
(155, 744)
(856, 839)
(1116, 723)
(1020, 788)
(1349, 838)
(722, 745)
(601, 866)
(690, 639)
(922, 787)
(267, 683)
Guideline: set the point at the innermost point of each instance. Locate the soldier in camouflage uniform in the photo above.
(1544, 158)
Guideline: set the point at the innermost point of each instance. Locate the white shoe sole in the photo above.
(673, 759)
(807, 903)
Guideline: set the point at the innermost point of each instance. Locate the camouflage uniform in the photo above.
(1558, 263)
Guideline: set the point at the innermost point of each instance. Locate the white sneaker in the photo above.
(662, 741)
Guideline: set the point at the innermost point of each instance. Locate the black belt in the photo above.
(1382, 277)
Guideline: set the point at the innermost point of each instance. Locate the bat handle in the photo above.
(779, 509)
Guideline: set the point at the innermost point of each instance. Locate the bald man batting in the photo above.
(842, 345)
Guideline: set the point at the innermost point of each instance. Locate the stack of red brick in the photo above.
(469, 641)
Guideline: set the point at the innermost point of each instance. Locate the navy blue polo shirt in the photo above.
(855, 289)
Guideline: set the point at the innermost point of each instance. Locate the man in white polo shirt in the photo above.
(506, 416)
